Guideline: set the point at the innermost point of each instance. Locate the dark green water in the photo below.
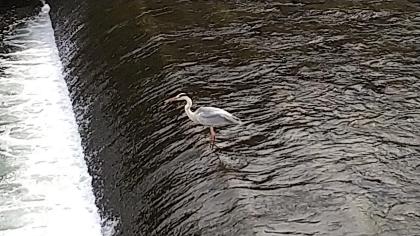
(328, 90)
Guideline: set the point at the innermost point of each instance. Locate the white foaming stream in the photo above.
(45, 188)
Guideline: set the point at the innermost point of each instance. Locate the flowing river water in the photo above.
(329, 93)
(45, 189)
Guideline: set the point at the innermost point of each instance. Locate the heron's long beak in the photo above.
(170, 100)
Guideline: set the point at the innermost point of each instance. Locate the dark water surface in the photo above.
(329, 92)
(14, 14)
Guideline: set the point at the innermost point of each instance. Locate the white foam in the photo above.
(109, 226)
(45, 188)
(45, 9)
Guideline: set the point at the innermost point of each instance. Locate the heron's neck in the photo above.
(188, 106)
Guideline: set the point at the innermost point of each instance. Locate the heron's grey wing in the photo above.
(213, 116)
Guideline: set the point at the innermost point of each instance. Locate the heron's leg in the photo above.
(212, 136)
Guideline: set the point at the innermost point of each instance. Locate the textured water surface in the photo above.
(328, 92)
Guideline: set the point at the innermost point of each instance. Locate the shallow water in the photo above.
(44, 185)
(328, 92)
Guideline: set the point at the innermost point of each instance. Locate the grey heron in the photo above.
(207, 116)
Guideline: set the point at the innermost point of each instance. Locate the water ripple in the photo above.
(328, 92)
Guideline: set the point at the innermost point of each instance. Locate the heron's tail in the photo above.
(235, 120)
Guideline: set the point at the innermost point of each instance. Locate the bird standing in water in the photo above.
(207, 116)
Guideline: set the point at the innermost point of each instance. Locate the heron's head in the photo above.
(179, 97)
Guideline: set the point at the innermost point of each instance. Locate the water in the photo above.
(44, 185)
(328, 92)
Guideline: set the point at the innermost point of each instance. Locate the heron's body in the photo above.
(215, 117)
(207, 116)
